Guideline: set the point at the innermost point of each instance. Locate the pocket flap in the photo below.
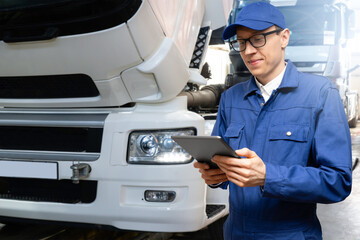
(234, 130)
(289, 132)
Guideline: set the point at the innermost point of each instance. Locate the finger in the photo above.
(227, 162)
(209, 182)
(215, 180)
(243, 182)
(240, 173)
(237, 182)
(211, 172)
(224, 168)
(218, 178)
(213, 176)
(221, 159)
(245, 178)
(201, 165)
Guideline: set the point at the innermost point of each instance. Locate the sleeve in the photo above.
(219, 130)
(329, 179)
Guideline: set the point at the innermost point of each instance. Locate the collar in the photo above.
(266, 90)
(289, 81)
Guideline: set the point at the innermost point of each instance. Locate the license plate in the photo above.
(22, 169)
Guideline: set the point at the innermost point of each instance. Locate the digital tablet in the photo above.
(203, 148)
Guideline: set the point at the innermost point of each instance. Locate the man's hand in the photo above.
(248, 171)
(211, 176)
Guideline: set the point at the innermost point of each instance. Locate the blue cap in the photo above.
(257, 16)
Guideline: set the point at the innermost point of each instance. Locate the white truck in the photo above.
(89, 94)
(320, 31)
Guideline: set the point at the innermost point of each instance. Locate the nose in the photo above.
(249, 49)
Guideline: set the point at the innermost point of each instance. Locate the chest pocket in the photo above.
(289, 132)
(233, 134)
(288, 145)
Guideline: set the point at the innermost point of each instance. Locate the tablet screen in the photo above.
(203, 148)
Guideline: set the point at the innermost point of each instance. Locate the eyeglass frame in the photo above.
(231, 43)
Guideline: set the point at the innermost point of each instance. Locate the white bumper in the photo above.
(120, 190)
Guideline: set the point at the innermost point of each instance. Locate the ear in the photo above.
(285, 37)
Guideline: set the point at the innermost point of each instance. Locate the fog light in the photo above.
(159, 196)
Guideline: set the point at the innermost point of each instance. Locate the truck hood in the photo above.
(144, 59)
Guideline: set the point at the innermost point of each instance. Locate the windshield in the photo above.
(12, 4)
(310, 25)
(24, 20)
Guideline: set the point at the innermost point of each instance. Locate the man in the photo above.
(291, 134)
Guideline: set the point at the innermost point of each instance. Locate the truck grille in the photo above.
(52, 86)
(44, 135)
(62, 191)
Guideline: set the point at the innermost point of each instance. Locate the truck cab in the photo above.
(89, 102)
(320, 32)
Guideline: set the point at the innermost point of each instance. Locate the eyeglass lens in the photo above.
(256, 41)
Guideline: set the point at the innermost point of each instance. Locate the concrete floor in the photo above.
(341, 221)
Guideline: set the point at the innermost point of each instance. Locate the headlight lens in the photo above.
(157, 147)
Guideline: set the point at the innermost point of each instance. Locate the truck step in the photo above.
(212, 209)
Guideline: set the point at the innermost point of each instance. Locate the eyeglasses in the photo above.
(257, 41)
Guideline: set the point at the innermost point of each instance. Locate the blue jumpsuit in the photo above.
(301, 134)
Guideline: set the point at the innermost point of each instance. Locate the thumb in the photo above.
(245, 152)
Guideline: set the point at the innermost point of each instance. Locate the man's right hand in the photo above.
(211, 176)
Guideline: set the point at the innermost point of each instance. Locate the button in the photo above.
(262, 104)
(288, 133)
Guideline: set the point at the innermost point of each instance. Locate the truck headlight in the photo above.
(157, 147)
